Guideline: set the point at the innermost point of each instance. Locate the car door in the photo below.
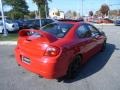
(85, 42)
(96, 37)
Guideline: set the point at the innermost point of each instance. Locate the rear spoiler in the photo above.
(37, 33)
(26, 32)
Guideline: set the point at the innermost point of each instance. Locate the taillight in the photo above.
(52, 51)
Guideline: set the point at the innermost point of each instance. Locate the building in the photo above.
(57, 14)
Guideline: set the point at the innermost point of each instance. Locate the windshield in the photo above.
(9, 21)
(57, 29)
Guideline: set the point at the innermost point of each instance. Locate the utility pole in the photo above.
(39, 11)
(46, 8)
(5, 33)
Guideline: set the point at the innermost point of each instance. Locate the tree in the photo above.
(68, 14)
(104, 9)
(90, 13)
(74, 14)
(41, 7)
(19, 8)
(32, 14)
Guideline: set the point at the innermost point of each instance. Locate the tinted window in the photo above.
(93, 29)
(57, 29)
(9, 21)
(37, 22)
(83, 31)
(43, 22)
(29, 21)
(49, 21)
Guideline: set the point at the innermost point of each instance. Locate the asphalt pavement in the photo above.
(102, 72)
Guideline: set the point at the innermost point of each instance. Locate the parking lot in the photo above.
(102, 72)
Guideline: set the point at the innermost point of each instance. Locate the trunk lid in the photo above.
(34, 42)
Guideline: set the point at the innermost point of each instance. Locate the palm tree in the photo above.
(104, 9)
(42, 6)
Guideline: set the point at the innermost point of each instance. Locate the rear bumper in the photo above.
(41, 66)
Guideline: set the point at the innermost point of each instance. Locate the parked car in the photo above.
(10, 26)
(35, 23)
(103, 20)
(117, 21)
(27, 23)
(98, 21)
(59, 48)
(20, 23)
(107, 20)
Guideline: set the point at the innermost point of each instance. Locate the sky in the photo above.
(76, 5)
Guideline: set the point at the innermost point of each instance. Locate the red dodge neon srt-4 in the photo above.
(59, 48)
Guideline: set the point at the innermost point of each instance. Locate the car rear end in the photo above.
(35, 53)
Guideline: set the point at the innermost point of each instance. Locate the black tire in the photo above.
(74, 67)
(103, 46)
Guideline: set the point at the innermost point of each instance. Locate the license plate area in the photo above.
(25, 60)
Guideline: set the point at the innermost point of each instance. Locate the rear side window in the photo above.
(83, 32)
(93, 30)
(57, 29)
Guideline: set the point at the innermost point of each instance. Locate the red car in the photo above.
(59, 48)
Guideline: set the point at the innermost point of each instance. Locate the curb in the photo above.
(8, 42)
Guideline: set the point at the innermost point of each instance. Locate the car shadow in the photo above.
(95, 64)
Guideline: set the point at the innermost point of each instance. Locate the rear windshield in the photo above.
(58, 29)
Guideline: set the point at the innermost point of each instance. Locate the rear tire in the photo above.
(74, 67)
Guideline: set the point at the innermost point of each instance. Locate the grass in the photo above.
(10, 37)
